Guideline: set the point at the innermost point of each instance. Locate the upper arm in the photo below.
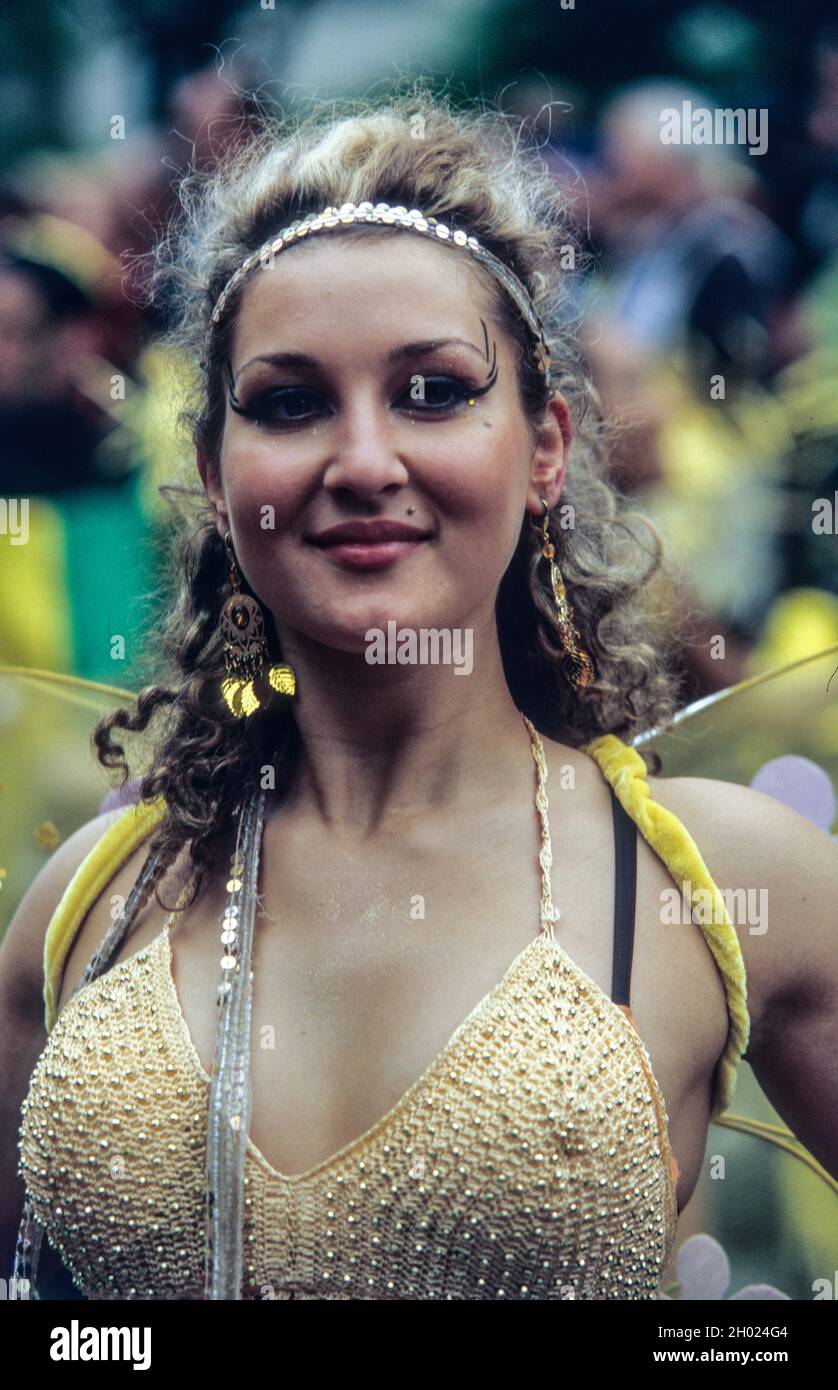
(788, 932)
(22, 948)
(22, 1030)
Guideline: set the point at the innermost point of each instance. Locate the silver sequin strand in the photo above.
(230, 1094)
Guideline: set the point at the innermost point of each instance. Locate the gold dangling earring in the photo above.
(582, 669)
(245, 650)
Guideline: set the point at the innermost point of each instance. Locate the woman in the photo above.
(384, 432)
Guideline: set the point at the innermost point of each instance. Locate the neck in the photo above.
(380, 743)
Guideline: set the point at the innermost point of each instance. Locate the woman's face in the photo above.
(353, 362)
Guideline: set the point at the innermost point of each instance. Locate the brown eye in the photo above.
(440, 394)
(285, 405)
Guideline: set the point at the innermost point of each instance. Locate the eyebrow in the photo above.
(302, 359)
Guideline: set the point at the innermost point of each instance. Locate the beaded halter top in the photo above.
(531, 1160)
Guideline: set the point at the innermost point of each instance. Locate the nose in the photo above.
(366, 460)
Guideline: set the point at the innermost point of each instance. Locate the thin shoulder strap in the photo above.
(549, 913)
(90, 879)
(625, 894)
(625, 770)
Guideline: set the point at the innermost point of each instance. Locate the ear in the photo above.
(211, 480)
(549, 461)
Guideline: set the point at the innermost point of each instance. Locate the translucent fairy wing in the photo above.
(50, 780)
(769, 1204)
(790, 711)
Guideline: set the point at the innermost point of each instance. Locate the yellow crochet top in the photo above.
(530, 1160)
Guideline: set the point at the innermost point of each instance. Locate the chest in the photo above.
(501, 1173)
(367, 960)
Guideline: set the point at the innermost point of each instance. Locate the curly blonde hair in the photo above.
(474, 169)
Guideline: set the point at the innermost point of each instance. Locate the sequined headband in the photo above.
(389, 216)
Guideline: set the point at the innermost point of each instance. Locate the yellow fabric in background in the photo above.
(799, 623)
(35, 617)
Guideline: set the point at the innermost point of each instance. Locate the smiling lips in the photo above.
(369, 545)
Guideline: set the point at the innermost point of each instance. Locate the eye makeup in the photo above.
(261, 409)
(493, 363)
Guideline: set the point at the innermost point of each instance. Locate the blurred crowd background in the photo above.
(707, 263)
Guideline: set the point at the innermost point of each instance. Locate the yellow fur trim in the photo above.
(624, 769)
(92, 876)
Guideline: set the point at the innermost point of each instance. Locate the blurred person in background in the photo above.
(49, 431)
(807, 386)
(689, 263)
(683, 317)
(69, 446)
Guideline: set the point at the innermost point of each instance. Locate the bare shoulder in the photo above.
(22, 949)
(570, 767)
(779, 874)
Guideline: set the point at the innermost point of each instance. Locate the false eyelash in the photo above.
(493, 369)
(463, 390)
